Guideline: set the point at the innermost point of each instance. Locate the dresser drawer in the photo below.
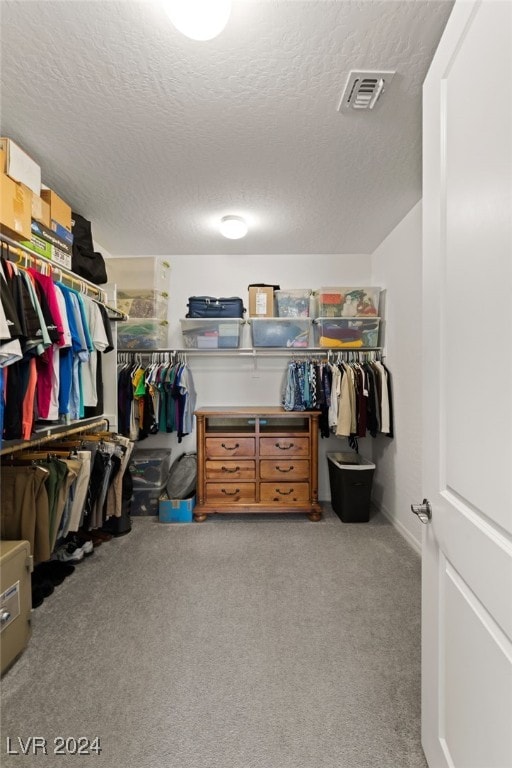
(284, 493)
(284, 446)
(230, 493)
(230, 470)
(228, 447)
(284, 469)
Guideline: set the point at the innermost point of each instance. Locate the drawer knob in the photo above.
(4, 616)
(230, 447)
(231, 471)
(280, 469)
(230, 493)
(284, 447)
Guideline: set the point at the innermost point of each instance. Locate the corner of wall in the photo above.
(397, 268)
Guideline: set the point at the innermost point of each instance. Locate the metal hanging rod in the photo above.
(45, 434)
(251, 351)
(61, 273)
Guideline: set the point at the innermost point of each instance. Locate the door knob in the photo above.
(423, 511)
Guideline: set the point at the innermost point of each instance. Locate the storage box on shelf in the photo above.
(19, 166)
(140, 273)
(60, 211)
(281, 332)
(40, 211)
(139, 333)
(349, 333)
(45, 242)
(142, 293)
(15, 208)
(217, 333)
(348, 302)
(261, 301)
(143, 303)
(294, 303)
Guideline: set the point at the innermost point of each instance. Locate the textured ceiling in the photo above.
(154, 137)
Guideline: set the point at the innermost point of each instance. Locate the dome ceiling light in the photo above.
(199, 19)
(233, 227)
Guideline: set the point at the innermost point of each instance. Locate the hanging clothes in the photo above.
(51, 337)
(156, 396)
(352, 391)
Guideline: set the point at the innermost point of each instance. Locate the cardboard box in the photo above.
(176, 510)
(15, 207)
(46, 243)
(261, 302)
(40, 210)
(61, 231)
(59, 210)
(19, 166)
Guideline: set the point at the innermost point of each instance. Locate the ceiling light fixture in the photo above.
(199, 19)
(233, 227)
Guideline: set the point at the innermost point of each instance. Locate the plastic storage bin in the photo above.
(293, 303)
(214, 333)
(280, 332)
(140, 272)
(142, 303)
(145, 501)
(348, 334)
(150, 468)
(348, 302)
(351, 478)
(142, 334)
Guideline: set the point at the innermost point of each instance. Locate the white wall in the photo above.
(397, 267)
(239, 380)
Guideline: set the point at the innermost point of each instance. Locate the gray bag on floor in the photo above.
(181, 482)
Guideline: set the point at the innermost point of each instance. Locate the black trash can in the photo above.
(351, 478)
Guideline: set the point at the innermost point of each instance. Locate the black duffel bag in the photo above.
(209, 306)
(85, 261)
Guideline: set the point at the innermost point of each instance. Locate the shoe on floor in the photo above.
(68, 553)
(89, 536)
(103, 535)
(55, 570)
(45, 585)
(85, 545)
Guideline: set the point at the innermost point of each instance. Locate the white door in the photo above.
(467, 413)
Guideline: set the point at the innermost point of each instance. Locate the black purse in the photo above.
(85, 261)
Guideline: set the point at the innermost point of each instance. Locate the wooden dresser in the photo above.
(256, 459)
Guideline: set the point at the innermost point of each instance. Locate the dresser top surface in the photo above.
(251, 410)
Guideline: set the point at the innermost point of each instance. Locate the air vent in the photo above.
(364, 89)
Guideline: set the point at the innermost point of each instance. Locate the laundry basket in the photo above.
(351, 478)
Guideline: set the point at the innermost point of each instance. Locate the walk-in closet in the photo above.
(254, 256)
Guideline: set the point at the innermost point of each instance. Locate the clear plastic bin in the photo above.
(214, 333)
(149, 468)
(141, 333)
(142, 303)
(293, 303)
(341, 332)
(348, 302)
(280, 332)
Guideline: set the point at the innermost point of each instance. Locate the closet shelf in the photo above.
(45, 434)
(250, 351)
(25, 255)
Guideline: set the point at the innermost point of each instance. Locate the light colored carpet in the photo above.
(236, 643)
